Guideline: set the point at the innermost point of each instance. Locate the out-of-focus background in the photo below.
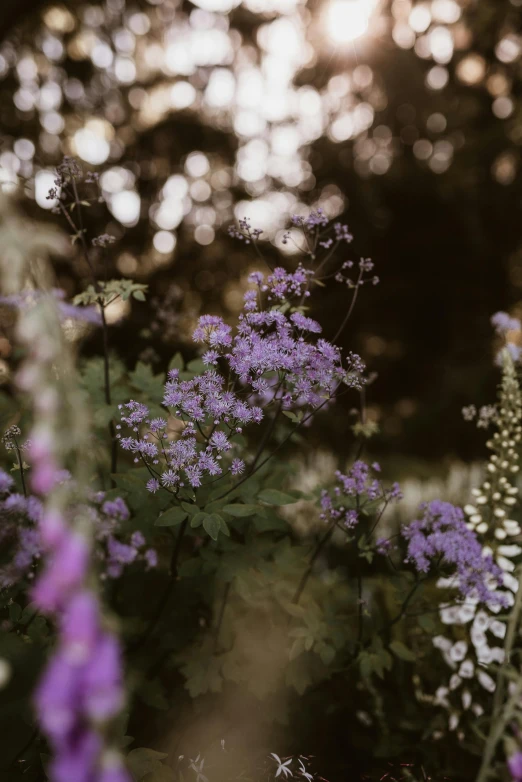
(401, 118)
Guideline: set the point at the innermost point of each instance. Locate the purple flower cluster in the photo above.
(201, 402)
(310, 222)
(82, 687)
(18, 532)
(275, 355)
(502, 323)
(515, 766)
(245, 232)
(360, 486)
(442, 536)
(271, 356)
(366, 266)
(269, 341)
(280, 285)
(21, 535)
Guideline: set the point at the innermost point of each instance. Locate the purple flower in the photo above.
(64, 572)
(45, 475)
(80, 626)
(441, 535)
(52, 527)
(6, 482)
(237, 466)
(77, 758)
(502, 323)
(116, 509)
(137, 539)
(383, 546)
(153, 485)
(102, 680)
(515, 766)
(220, 441)
(121, 552)
(304, 323)
(57, 697)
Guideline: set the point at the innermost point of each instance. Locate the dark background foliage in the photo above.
(443, 231)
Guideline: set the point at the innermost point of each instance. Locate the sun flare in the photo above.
(347, 20)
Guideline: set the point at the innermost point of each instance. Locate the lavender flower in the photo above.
(6, 482)
(442, 535)
(502, 323)
(515, 766)
(357, 485)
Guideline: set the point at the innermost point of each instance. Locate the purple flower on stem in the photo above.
(502, 323)
(515, 766)
(6, 482)
(102, 680)
(64, 572)
(442, 535)
(78, 758)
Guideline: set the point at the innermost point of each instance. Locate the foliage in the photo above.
(178, 509)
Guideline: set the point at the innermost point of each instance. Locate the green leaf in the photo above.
(276, 497)
(190, 508)
(402, 652)
(198, 519)
(294, 417)
(327, 654)
(139, 295)
(212, 525)
(240, 510)
(171, 517)
(268, 521)
(144, 380)
(297, 648)
(176, 362)
(224, 527)
(196, 366)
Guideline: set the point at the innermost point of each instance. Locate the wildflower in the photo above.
(6, 482)
(502, 323)
(153, 485)
(237, 466)
(116, 509)
(515, 766)
(151, 558)
(442, 534)
(383, 546)
(104, 240)
(469, 412)
(64, 572)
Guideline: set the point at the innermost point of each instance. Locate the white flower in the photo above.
(282, 768)
(466, 699)
(453, 721)
(498, 628)
(486, 681)
(467, 669)
(458, 651)
(455, 681)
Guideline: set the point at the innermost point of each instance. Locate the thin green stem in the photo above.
(319, 547)
(21, 466)
(350, 309)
